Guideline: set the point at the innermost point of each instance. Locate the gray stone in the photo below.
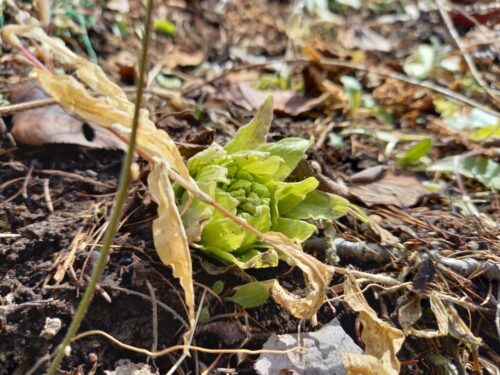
(324, 355)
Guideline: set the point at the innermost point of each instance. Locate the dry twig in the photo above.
(463, 50)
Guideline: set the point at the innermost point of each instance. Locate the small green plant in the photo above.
(247, 177)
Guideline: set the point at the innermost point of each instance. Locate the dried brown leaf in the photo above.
(52, 124)
(288, 102)
(382, 341)
(394, 190)
(363, 38)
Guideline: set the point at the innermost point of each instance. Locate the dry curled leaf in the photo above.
(52, 124)
(317, 277)
(411, 312)
(382, 341)
(170, 242)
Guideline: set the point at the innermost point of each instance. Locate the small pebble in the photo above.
(51, 327)
(93, 358)
(473, 245)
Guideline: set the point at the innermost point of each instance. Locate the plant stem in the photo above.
(117, 207)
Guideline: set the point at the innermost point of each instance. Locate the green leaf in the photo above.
(251, 258)
(164, 27)
(259, 163)
(215, 154)
(218, 286)
(479, 168)
(420, 63)
(320, 205)
(289, 194)
(297, 230)
(223, 233)
(227, 201)
(354, 91)
(445, 107)
(487, 132)
(415, 152)
(291, 150)
(261, 221)
(252, 135)
(213, 173)
(169, 81)
(251, 295)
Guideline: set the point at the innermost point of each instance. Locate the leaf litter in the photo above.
(426, 238)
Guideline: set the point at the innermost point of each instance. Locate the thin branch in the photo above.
(154, 308)
(185, 354)
(117, 207)
(463, 50)
(19, 107)
(148, 298)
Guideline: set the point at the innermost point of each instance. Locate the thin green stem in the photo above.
(117, 207)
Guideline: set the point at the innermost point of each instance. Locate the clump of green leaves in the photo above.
(247, 177)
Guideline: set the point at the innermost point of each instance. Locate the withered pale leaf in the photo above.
(382, 341)
(169, 235)
(113, 113)
(121, 6)
(317, 276)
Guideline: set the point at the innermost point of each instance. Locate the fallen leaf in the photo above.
(317, 276)
(420, 63)
(368, 175)
(382, 341)
(400, 191)
(324, 352)
(177, 58)
(363, 38)
(121, 6)
(52, 124)
(169, 236)
(480, 168)
(411, 312)
(287, 102)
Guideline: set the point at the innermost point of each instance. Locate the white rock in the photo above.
(51, 327)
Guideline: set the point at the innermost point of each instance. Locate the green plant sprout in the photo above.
(247, 177)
